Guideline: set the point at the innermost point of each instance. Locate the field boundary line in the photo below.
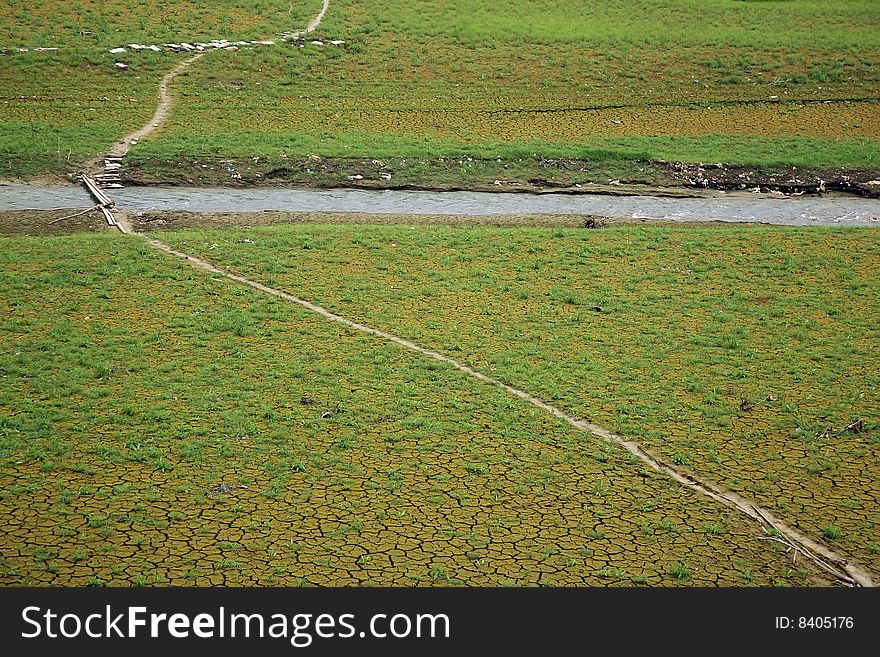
(844, 570)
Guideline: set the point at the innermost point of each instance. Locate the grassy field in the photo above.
(85, 24)
(730, 81)
(740, 354)
(63, 107)
(550, 79)
(161, 426)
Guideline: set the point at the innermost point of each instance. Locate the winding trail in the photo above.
(313, 24)
(166, 101)
(163, 111)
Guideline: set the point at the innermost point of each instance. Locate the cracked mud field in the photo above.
(740, 355)
(160, 426)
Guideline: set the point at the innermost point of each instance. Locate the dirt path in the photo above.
(846, 571)
(166, 101)
(163, 111)
(313, 24)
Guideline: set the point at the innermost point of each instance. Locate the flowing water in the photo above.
(801, 211)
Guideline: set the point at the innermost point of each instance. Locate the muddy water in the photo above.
(802, 211)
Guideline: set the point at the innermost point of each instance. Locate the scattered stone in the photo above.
(856, 427)
(122, 65)
(326, 415)
(746, 405)
(219, 489)
(117, 51)
(598, 309)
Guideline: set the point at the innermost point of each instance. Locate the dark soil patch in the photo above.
(39, 222)
(515, 175)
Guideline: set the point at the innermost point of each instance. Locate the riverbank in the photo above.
(534, 175)
(57, 222)
(488, 174)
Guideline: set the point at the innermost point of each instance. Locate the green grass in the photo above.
(632, 22)
(92, 24)
(693, 321)
(63, 107)
(605, 82)
(210, 368)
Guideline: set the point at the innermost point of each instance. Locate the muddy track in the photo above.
(844, 570)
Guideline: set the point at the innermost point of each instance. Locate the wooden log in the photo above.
(108, 216)
(96, 193)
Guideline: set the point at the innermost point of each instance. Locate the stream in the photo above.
(797, 211)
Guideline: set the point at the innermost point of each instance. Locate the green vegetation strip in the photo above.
(744, 355)
(160, 426)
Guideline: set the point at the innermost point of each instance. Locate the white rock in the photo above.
(121, 65)
(155, 48)
(337, 42)
(117, 51)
